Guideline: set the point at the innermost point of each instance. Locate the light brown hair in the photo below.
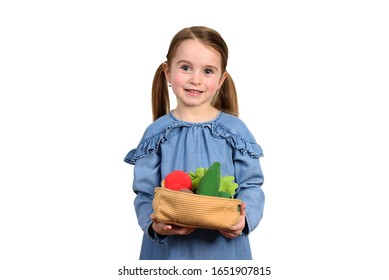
(225, 100)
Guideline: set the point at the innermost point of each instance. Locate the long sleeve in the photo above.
(146, 178)
(249, 177)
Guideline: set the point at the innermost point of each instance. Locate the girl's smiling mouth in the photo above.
(193, 92)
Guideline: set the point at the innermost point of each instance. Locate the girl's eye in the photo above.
(208, 71)
(185, 67)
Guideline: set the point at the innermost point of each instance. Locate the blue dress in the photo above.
(169, 144)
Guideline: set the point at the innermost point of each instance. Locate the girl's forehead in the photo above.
(196, 51)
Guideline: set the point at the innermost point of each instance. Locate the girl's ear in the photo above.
(166, 70)
(222, 79)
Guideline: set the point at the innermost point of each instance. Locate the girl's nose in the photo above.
(195, 79)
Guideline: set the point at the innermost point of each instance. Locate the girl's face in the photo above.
(195, 74)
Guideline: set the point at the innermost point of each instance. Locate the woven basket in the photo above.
(194, 210)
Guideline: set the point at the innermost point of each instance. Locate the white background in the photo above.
(75, 80)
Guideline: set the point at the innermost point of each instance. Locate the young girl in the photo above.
(202, 129)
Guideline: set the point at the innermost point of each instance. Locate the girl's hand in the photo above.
(165, 229)
(237, 229)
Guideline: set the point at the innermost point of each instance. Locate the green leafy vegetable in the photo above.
(196, 177)
(228, 185)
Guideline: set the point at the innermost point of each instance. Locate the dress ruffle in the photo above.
(150, 144)
(245, 146)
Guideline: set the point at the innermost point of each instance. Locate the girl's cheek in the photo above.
(178, 79)
(213, 86)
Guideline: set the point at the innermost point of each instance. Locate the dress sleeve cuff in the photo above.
(156, 236)
(245, 230)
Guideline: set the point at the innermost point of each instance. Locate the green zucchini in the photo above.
(223, 194)
(210, 182)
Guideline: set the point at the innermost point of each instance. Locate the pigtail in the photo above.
(226, 100)
(160, 94)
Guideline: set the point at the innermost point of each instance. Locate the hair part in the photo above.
(225, 100)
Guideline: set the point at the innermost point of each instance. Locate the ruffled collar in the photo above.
(171, 114)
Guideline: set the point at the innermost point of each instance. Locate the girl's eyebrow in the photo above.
(187, 62)
(183, 61)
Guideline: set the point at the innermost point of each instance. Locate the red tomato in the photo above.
(177, 180)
